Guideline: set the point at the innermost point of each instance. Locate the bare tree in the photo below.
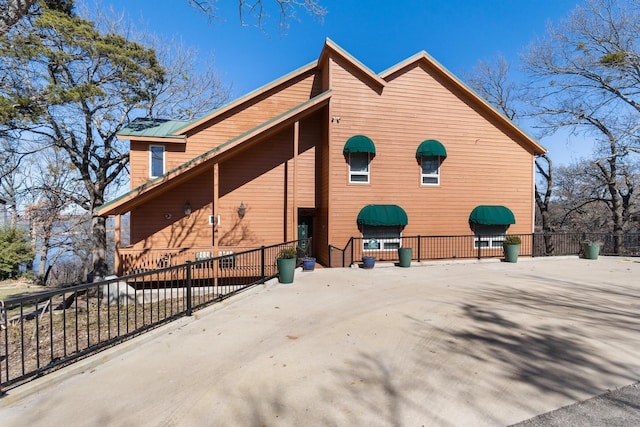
(585, 77)
(255, 12)
(492, 80)
(252, 11)
(51, 213)
(584, 199)
(66, 84)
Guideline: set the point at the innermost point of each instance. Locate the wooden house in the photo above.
(336, 149)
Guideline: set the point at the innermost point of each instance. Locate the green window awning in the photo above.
(492, 215)
(359, 144)
(431, 148)
(382, 215)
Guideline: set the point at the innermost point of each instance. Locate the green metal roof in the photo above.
(359, 144)
(155, 128)
(492, 215)
(297, 109)
(431, 148)
(382, 215)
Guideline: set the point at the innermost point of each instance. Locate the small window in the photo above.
(156, 161)
(383, 238)
(430, 170)
(359, 168)
(489, 236)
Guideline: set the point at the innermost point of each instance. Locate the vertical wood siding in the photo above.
(484, 165)
(151, 227)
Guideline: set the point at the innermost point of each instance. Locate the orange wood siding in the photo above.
(139, 160)
(484, 165)
(240, 120)
(227, 126)
(150, 227)
(262, 179)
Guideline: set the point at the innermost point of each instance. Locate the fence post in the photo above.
(419, 249)
(479, 245)
(533, 244)
(262, 266)
(189, 305)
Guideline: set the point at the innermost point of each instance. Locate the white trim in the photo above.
(366, 174)
(164, 161)
(493, 240)
(381, 243)
(430, 175)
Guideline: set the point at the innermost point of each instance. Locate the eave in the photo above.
(249, 97)
(182, 173)
(424, 57)
(331, 47)
(181, 140)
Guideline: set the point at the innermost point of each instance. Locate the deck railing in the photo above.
(44, 331)
(426, 248)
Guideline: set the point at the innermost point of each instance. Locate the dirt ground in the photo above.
(17, 287)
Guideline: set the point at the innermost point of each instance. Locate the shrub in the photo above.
(288, 252)
(512, 239)
(15, 249)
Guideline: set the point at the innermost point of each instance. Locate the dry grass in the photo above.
(43, 340)
(18, 287)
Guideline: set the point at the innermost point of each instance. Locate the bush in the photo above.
(15, 249)
(511, 239)
(288, 252)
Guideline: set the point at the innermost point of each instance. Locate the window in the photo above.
(384, 238)
(359, 168)
(489, 236)
(156, 161)
(430, 170)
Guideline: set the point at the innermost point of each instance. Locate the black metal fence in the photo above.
(44, 331)
(426, 248)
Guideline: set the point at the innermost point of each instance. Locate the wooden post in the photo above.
(294, 216)
(117, 229)
(215, 227)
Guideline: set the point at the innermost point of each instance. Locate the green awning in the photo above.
(359, 144)
(431, 148)
(382, 215)
(492, 215)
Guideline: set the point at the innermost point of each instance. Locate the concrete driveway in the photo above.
(447, 344)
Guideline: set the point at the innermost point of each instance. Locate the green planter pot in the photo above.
(591, 250)
(405, 255)
(286, 269)
(511, 252)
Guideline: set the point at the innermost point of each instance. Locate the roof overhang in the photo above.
(330, 47)
(431, 148)
(423, 57)
(492, 215)
(359, 144)
(184, 172)
(382, 215)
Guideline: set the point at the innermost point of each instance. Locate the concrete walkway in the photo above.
(445, 344)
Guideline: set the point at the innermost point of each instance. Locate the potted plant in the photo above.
(590, 249)
(511, 246)
(368, 261)
(308, 263)
(286, 264)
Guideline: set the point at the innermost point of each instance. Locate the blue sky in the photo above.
(457, 33)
